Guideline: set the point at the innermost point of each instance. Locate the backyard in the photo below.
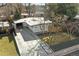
(58, 41)
(7, 46)
(57, 38)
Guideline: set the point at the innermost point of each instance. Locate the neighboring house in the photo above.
(4, 26)
(24, 15)
(36, 24)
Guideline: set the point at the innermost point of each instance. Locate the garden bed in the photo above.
(57, 38)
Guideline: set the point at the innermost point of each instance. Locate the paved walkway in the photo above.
(44, 50)
(26, 45)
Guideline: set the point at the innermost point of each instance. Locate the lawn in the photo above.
(7, 46)
(57, 38)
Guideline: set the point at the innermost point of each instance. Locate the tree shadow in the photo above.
(0, 36)
(10, 37)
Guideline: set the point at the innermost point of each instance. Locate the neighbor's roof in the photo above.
(33, 21)
(5, 24)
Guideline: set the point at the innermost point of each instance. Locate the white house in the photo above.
(4, 24)
(36, 24)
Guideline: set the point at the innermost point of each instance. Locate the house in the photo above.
(4, 24)
(24, 15)
(28, 43)
(4, 27)
(36, 24)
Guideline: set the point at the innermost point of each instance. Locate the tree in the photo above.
(56, 12)
(61, 9)
(50, 10)
(17, 15)
(70, 10)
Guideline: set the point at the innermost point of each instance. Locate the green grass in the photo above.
(7, 46)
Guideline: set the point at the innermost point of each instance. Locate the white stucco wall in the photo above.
(24, 24)
(39, 28)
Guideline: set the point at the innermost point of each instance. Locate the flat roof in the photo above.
(33, 21)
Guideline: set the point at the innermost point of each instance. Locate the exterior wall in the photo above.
(39, 28)
(14, 25)
(24, 24)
